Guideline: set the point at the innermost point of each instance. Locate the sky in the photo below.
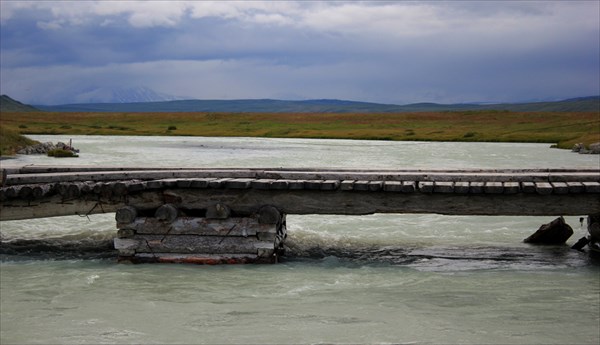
(57, 52)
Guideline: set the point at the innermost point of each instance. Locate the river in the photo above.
(393, 278)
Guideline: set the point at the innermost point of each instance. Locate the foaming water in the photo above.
(383, 278)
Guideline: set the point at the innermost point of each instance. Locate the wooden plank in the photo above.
(511, 187)
(313, 184)
(196, 258)
(244, 226)
(375, 186)
(330, 185)
(262, 183)
(461, 187)
(280, 184)
(201, 182)
(591, 187)
(218, 183)
(443, 187)
(392, 186)
(528, 187)
(409, 186)
(239, 183)
(559, 187)
(191, 244)
(576, 187)
(347, 185)
(476, 187)
(493, 188)
(361, 185)
(543, 188)
(426, 187)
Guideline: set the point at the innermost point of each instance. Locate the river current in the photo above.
(393, 278)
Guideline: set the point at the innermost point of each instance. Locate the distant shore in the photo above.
(560, 128)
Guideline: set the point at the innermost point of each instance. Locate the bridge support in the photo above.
(211, 236)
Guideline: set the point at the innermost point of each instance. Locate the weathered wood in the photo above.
(126, 215)
(200, 226)
(461, 187)
(592, 187)
(42, 190)
(166, 213)
(262, 183)
(576, 187)
(4, 176)
(361, 185)
(511, 187)
(280, 184)
(528, 187)
(269, 215)
(375, 186)
(347, 185)
(443, 187)
(240, 183)
(191, 244)
(218, 211)
(313, 184)
(392, 186)
(559, 187)
(409, 186)
(196, 258)
(543, 188)
(125, 233)
(426, 186)
(330, 185)
(493, 188)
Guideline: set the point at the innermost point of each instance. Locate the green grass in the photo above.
(561, 128)
(11, 141)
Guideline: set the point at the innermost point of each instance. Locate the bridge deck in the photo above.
(44, 191)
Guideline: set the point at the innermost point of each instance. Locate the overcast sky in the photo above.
(390, 52)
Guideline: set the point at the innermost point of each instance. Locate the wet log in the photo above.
(511, 187)
(493, 188)
(269, 215)
(443, 187)
(461, 187)
(125, 215)
(543, 188)
(198, 258)
(166, 213)
(40, 191)
(190, 244)
(426, 187)
(242, 227)
(559, 187)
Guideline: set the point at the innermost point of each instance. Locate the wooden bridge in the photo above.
(233, 215)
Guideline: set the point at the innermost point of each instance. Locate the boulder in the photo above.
(594, 148)
(577, 147)
(555, 232)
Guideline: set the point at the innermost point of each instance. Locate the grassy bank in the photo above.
(564, 129)
(11, 141)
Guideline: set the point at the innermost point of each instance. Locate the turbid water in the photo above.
(405, 278)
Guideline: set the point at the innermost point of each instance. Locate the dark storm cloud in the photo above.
(395, 52)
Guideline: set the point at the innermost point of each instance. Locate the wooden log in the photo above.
(461, 187)
(493, 188)
(528, 187)
(559, 187)
(426, 187)
(189, 244)
(511, 187)
(200, 182)
(576, 187)
(409, 186)
(170, 197)
(347, 185)
(262, 183)
(543, 188)
(476, 187)
(296, 184)
(126, 215)
(592, 187)
(280, 184)
(218, 211)
(166, 213)
(218, 183)
(25, 192)
(239, 183)
(197, 258)
(42, 190)
(330, 185)
(184, 183)
(119, 188)
(361, 185)
(392, 186)
(243, 227)
(375, 186)
(313, 184)
(443, 187)
(125, 233)
(269, 215)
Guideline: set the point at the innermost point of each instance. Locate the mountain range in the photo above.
(587, 104)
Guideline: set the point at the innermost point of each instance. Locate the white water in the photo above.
(371, 279)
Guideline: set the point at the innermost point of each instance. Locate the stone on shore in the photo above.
(555, 232)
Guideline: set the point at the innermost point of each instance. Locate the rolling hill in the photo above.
(10, 105)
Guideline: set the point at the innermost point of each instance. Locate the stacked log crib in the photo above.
(171, 235)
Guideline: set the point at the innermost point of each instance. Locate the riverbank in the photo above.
(563, 129)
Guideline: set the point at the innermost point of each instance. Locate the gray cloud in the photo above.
(395, 52)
